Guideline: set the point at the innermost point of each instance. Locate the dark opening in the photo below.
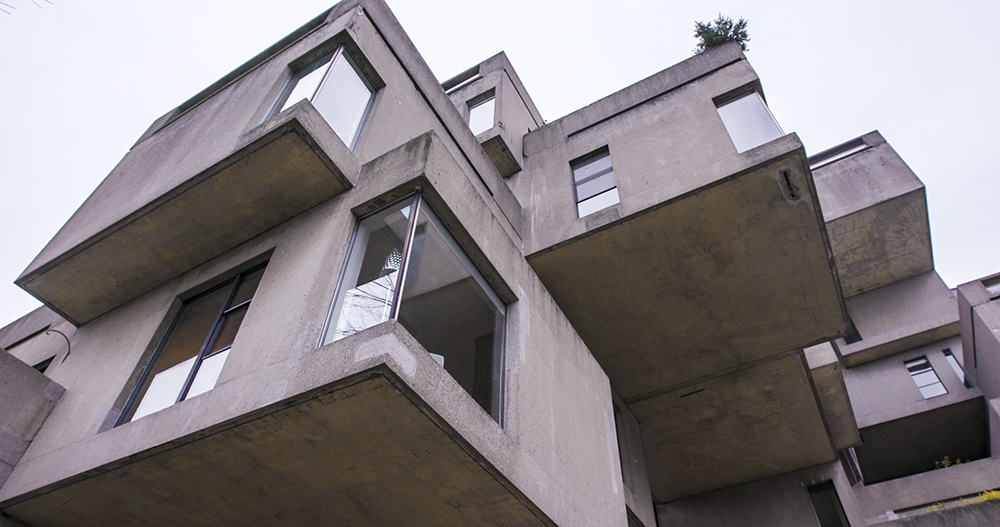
(827, 505)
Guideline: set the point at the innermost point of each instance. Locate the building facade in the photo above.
(331, 289)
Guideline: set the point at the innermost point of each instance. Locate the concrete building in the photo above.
(332, 289)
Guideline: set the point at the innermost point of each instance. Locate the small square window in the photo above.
(749, 122)
(190, 357)
(481, 115)
(925, 377)
(443, 300)
(338, 90)
(595, 184)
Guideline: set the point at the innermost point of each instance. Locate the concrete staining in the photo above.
(702, 352)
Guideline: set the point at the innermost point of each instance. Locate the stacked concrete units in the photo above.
(331, 290)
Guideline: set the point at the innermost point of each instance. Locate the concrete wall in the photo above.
(409, 103)
(883, 390)
(665, 139)
(982, 513)
(900, 316)
(779, 500)
(558, 442)
(26, 398)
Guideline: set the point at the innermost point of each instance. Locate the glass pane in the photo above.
(207, 374)
(481, 116)
(164, 389)
(183, 344)
(925, 378)
(366, 293)
(598, 202)
(993, 289)
(248, 286)
(595, 186)
(591, 167)
(453, 312)
(749, 122)
(953, 361)
(306, 85)
(343, 100)
(230, 325)
(932, 390)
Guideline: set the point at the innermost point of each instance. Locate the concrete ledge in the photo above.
(26, 399)
(292, 163)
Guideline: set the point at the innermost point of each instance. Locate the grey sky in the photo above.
(83, 80)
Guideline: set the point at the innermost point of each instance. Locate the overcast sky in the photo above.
(81, 81)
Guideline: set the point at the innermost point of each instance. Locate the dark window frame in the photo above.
(584, 161)
(204, 352)
(417, 200)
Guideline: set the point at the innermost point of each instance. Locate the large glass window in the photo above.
(595, 184)
(338, 90)
(191, 355)
(443, 300)
(749, 122)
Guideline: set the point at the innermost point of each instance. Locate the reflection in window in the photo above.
(444, 302)
(337, 89)
(749, 122)
(594, 180)
(953, 362)
(481, 115)
(925, 377)
(191, 355)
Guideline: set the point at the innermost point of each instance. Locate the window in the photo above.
(953, 361)
(595, 184)
(992, 288)
(926, 379)
(481, 114)
(338, 90)
(443, 300)
(749, 122)
(190, 357)
(826, 503)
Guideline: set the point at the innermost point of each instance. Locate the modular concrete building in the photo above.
(331, 289)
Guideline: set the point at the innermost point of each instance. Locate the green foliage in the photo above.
(720, 31)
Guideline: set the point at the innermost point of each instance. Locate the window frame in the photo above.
(204, 351)
(919, 366)
(327, 59)
(478, 101)
(584, 161)
(417, 200)
(736, 96)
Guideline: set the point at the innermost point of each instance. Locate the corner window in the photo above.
(403, 264)
(191, 355)
(749, 122)
(338, 90)
(925, 377)
(481, 114)
(594, 181)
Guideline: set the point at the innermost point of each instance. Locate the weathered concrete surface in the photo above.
(557, 444)
(192, 144)
(975, 514)
(979, 313)
(289, 166)
(913, 444)
(717, 279)
(912, 312)
(928, 488)
(26, 399)
(883, 390)
(876, 213)
(633, 460)
(751, 424)
(515, 112)
(366, 451)
(827, 375)
(777, 501)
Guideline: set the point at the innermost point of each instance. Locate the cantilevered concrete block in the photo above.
(282, 168)
(876, 214)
